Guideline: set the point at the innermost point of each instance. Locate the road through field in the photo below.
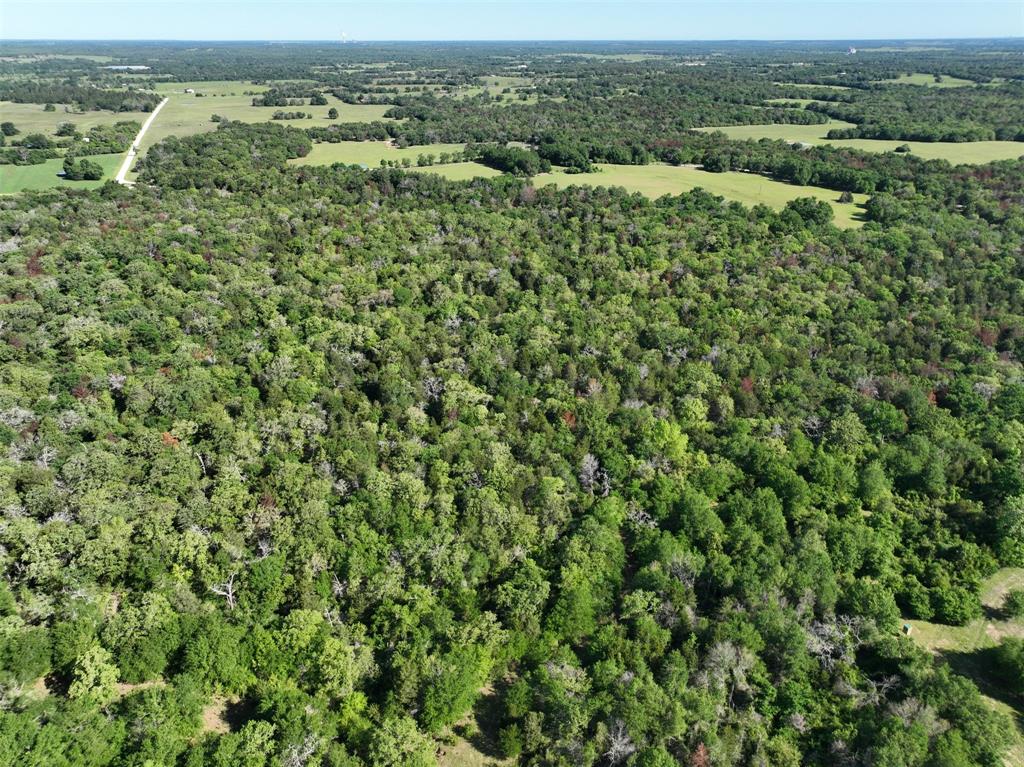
(134, 148)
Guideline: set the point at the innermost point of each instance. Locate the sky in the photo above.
(509, 20)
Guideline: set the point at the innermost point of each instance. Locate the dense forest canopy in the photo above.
(335, 466)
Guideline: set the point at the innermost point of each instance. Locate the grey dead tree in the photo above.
(834, 640)
(620, 745)
(592, 477)
(589, 468)
(299, 754)
(226, 590)
(726, 666)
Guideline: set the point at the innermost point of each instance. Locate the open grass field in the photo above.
(628, 57)
(15, 178)
(460, 171)
(813, 86)
(748, 188)
(964, 646)
(30, 118)
(965, 153)
(505, 81)
(920, 78)
(371, 153)
(649, 180)
(491, 84)
(801, 102)
(211, 87)
(43, 56)
(187, 114)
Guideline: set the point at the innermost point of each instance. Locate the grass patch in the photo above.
(748, 188)
(16, 178)
(966, 649)
(29, 57)
(187, 114)
(370, 153)
(504, 81)
(817, 85)
(210, 87)
(459, 171)
(628, 57)
(964, 153)
(650, 180)
(801, 102)
(920, 78)
(30, 118)
(982, 633)
(473, 742)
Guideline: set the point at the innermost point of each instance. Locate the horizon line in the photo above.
(335, 41)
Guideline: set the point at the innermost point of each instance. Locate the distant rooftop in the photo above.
(131, 67)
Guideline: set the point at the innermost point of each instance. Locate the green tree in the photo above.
(95, 677)
(397, 743)
(1013, 603)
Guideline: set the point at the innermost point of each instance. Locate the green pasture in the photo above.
(459, 171)
(627, 57)
(962, 153)
(920, 78)
(26, 58)
(801, 102)
(505, 81)
(748, 188)
(16, 178)
(813, 86)
(650, 180)
(210, 87)
(30, 118)
(187, 114)
(370, 153)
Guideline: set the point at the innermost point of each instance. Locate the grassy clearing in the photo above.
(473, 741)
(919, 78)
(801, 102)
(215, 715)
(459, 171)
(968, 152)
(505, 81)
(462, 753)
(982, 633)
(650, 180)
(29, 57)
(904, 48)
(490, 84)
(16, 178)
(964, 647)
(187, 114)
(30, 118)
(370, 153)
(211, 87)
(628, 57)
(817, 85)
(748, 188)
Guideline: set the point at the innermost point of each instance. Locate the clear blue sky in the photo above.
(505, 20)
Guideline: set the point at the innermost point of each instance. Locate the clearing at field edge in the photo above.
(959, 153)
